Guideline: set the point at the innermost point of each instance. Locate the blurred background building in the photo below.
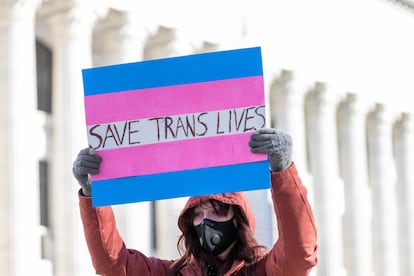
(339, 79)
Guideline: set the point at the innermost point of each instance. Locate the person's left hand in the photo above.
(277, 145)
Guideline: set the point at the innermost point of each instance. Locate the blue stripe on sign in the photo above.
(173, 71)
(240, 177)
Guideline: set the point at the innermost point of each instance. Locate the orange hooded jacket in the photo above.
(294, 253)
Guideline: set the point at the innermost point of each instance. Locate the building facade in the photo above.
(355, 157)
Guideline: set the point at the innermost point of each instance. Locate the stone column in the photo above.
(266, 225)
(71, 23)
(404, 158)
(287, 114)
(167, 232)
(383, 183)
(122, 40)
(328, 189)
(19, 185)
(354, 172)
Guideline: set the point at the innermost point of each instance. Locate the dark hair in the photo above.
(246, 247)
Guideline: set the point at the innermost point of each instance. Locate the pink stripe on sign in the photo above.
(173, 100)
(182, 155)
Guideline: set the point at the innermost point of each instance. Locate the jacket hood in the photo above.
(239, 199)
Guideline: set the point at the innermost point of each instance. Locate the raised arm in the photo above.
(108, 252)
(294, 253)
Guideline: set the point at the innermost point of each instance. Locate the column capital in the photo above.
(283, 81)
(318, 98)
(286, 76)
(378, 116)
(317, 94)
(351, 105)
(113, 24)
(120, 36)
(404, 124)
(205, 46)
(69, 17)
(13, 9)
(159, 43)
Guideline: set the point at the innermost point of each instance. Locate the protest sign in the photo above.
(176, 126)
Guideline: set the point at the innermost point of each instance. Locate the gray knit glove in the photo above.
(86, 163)
(276, 144)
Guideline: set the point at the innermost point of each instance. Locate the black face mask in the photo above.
(215, 236)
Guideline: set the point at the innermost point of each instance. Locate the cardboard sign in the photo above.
(176, 127)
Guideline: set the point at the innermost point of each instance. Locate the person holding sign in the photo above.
(217, 230)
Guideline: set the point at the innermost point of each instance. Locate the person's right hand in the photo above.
(86, 163)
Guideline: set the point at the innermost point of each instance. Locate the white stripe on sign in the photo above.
(146, 131)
